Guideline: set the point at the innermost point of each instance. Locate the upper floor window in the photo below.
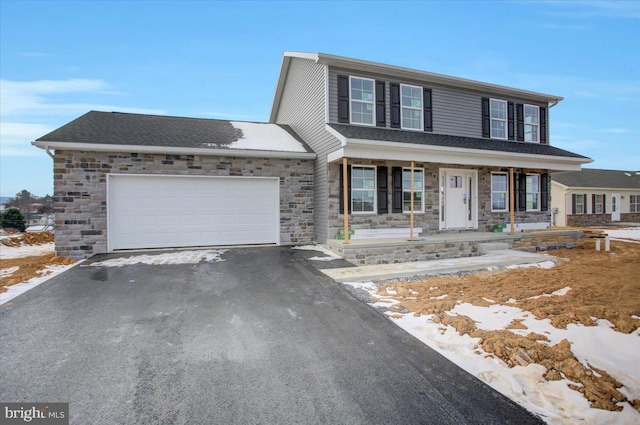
(418, 190)
(363, 189)
(634, 203)
(533, 192)
(498, 114)
(362, 100)
(499, 194)
(531, 123)
(412, 107)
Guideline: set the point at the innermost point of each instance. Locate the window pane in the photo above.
(499, 182)
(498, 129)
(498, 109)
(499, 201)
(530, 114)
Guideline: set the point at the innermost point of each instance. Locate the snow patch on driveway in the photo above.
(170, 258)
(329, 254)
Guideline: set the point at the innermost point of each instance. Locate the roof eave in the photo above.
(172, 150)
(362, 65)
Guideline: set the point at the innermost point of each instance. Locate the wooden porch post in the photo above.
(345, 190)
(413, 164)
(511, 193)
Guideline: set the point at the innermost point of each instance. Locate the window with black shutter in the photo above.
(395, 105)
(396, 181)
(383, 190)
(343, 99)
(380, 104)
(428, 111)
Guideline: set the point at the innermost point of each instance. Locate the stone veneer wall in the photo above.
(438, 249)
(80, 191)
(582, 220)
(429, 221)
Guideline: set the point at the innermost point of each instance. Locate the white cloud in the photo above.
(584, 9)
(615, 130)
(31, 109)
(15, 138)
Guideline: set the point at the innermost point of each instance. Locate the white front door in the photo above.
(615, 207)
(458, 199)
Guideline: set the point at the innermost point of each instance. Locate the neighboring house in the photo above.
(595, 197)
(464, 140)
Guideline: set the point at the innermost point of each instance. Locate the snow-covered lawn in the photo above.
(25, 251)
(599, 347)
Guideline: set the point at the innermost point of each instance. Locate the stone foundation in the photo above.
(80, 191)
(445, 246)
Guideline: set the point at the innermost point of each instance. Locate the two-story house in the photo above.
(382, 150)
(477, 150)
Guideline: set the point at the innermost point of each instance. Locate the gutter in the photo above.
(240, 153)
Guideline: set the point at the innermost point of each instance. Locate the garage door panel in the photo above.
(179, 211)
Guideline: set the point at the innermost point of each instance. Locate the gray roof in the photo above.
(589, 177)
(125, 129)
(430, 139)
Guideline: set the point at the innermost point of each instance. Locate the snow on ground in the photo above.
(7, 252)
(329, 254)
(541, 265)
(631, 233)
(20, 288)
(600, 346)
(169, 258)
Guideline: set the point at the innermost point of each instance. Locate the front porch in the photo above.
(447, 245)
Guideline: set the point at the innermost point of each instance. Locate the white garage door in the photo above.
(181, 211)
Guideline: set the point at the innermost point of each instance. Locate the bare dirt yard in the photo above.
(593, 285)
(30, 256)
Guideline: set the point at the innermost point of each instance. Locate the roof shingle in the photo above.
(591, 177)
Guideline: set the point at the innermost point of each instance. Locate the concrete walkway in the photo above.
(501, 258)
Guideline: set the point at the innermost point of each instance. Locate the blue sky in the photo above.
(59, 60)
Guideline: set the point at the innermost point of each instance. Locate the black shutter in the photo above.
(383, 191)
(593, 203)
(381, 112)
(520, 113)
(343, 98)
(510, 120)
(573, 203)
(428, 113)
(395, 105)
(396, 174)
(584, 207)
(604, 204)
(486, 119)
(341, 203)
(544, 202)
(522, 192)
(543, 125)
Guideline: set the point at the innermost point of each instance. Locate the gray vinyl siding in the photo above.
(302, 107)
(456, 112)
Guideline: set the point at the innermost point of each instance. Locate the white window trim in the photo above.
(583, 203)
(538, 192)
(600, 203)
(373, 102)
(506, 209)
(524, 107)
(375, 190)
(421, 109)
(506, 116)
(636, 204)
(421, 211)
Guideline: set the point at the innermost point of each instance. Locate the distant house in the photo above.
(372, 147)
(595, 197)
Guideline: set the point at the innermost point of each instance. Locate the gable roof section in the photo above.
(430, 139)
(595, 178)
(115, 131)
(401, 72)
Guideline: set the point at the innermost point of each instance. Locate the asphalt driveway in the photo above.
(260, 338)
